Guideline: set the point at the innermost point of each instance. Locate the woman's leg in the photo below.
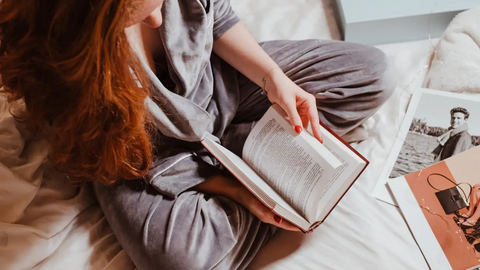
(350, 81)
(473, 199)
(193, 231)
(474, 209)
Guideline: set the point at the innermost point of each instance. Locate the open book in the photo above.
(294, 175)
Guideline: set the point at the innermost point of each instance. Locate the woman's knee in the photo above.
(379, 74)
(475, 191)
(203, 232)
(363, 72)
(388, 77)
(364, 80)
(190, 232)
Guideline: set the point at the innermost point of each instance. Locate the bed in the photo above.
(45, 223)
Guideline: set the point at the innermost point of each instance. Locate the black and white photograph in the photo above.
(442, 126)
(437, 125)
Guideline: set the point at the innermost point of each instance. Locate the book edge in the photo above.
(345, 192)
(367, 162)
(236, 176)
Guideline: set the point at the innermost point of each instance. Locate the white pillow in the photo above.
(456, 63)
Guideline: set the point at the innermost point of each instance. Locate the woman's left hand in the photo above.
(300, 106)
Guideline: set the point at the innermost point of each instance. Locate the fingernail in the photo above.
(298, 129)
(277, 219)
(321, 139)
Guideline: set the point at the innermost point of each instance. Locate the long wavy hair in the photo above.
(71, 64)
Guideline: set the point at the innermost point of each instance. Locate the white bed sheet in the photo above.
(362, 232)
(59, 227)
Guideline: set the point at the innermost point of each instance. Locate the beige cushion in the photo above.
(456, 63)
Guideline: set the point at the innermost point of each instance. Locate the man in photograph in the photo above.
(456, 139)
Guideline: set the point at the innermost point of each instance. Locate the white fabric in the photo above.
(47, 224)
(456, 65)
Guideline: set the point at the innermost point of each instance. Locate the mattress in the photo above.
(47, 224)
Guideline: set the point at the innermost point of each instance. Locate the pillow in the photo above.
(455, 66)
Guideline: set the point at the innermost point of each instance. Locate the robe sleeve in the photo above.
(178, 169)
(224, 17)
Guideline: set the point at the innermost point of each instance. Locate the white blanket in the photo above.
(45, 223)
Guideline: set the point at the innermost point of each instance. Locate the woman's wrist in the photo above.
(236, 191)
(271, 79)
(224, 186)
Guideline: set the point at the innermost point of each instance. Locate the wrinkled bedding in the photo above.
(456, 63)
(46, 223)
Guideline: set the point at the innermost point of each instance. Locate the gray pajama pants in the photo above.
(199, 231)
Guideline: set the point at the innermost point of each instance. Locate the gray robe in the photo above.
(160, 221)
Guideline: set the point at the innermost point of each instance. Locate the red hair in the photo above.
(71, 64)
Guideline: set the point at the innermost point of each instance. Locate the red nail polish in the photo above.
(277, 219)
(298, 129)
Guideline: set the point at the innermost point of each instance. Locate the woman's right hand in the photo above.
(233, 189)
(257, 208)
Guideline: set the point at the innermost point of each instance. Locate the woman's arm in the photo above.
(231, 188)
(238, 48)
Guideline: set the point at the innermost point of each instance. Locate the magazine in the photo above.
(437, 125)
(440, 204)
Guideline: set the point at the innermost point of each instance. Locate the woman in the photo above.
(127, 89)
(473, 214)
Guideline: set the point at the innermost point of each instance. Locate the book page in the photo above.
(351, 166)
(250, 179)
(297, 166)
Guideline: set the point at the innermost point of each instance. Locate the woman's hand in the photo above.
(238, 48)
(233, 189)
(300, 106)
(257, 208)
